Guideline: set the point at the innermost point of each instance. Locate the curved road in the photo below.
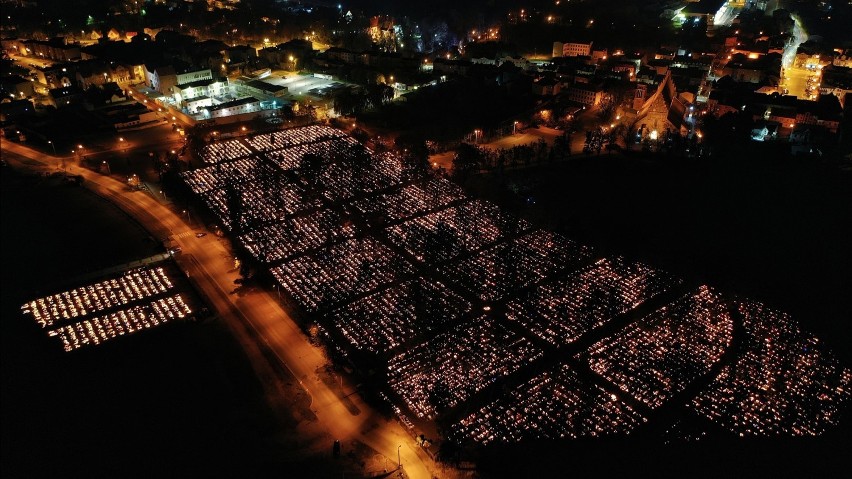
(209, 256)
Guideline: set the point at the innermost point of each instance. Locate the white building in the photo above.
(235, 107)
(209, 88)
(163, 78)
(561, 49)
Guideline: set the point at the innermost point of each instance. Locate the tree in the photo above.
(467, 160)
(415, 156)
(379, 94)
(348, 101)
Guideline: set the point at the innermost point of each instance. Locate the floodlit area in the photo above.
(659, 356)
(318, 86)
(555, 404)
(513, 331)
(785, 384)
(137, 300)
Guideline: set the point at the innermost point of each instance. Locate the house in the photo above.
(546, 87)
(12, 108)
(15, 87)
(239, 54)
(837, 81)
(57, 75)
(65, 96)
(452, 67)
(585, 94)
(298, 48)
(94, 72)
(342, 55)
(160, 78)
(753, 70)
(53, 49)
(128, 115)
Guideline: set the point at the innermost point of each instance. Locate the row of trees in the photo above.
(350, 101)
(472, 159)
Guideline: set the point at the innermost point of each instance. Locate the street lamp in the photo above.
(514, 127)
(52, 146)
(188, 218)
(398, 458)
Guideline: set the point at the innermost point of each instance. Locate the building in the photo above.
(209, 88)
(342, 55)
(452, 67)
(57, 75)
(189, 75)
(65, 96)
(652, 105)
(197, 105)
(843, 58)
(239, 54)
(836, 81)
(163, 78)
(53, 49)
(94, 72)
(585, 94)
(15, 87)
(298, 48)
(259, 88)
(561, 49)
(10, 109)
(753, 70)
(235, 107)
(546, 87)
(126, 116)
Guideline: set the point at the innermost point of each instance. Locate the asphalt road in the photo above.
(796, 81)
(210, 260)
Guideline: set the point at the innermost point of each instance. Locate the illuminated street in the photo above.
(797, 80)
(208, 260)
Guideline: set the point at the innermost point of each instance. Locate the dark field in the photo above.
(179, 401)
(777, 232)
